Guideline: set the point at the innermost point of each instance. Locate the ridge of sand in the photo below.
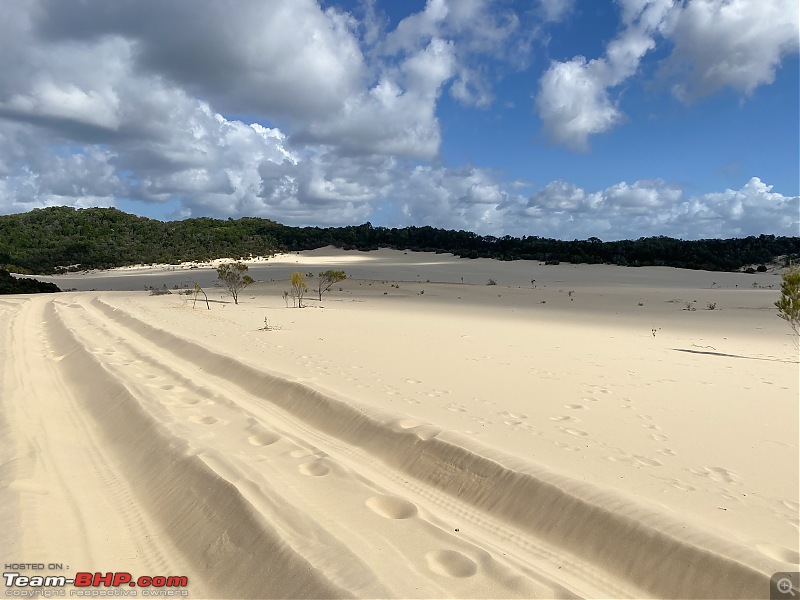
(206, 447)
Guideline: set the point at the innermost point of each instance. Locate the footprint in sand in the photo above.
(207, 420)
(451, 563)
(650, 462)
(392, 507)
(659, 438)
(574, 406)
(718, 474)
(667, 452)
(413, 381)
(565, 418)
(599, 389)
(511, 415)
(621, 459)
(678, 484)
(314, 469)
(422, 430)
(188, 401)
(655, 427)
(574, 431)
(566, 446)
(264, 438)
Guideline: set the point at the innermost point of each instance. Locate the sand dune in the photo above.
(468, 441)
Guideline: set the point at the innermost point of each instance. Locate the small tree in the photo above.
(299, 287)
(789, 303)
(327, 279)
(233, 276)
(199, 290)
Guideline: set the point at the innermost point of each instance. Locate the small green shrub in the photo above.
(788, 304)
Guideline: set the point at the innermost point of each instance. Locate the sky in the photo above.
(554, 118)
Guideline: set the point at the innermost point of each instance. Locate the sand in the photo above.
(412, 435)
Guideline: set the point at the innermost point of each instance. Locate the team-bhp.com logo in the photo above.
(89, 584)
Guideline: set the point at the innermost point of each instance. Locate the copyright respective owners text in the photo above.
(784, 584)
(55, 579)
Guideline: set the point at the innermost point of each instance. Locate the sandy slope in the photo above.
(470, 441)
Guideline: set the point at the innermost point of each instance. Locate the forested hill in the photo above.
(46, 240)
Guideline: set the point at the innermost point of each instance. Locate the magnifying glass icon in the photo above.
(784, 586)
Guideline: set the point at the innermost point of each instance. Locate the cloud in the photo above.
(395, 117)
(555, 10)
(646, 208)
(716, 44)
(736, 43)
(478, 31)
(285, 57)
(574, 99)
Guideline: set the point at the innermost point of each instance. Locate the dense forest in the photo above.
(60, 238)
(23, 285)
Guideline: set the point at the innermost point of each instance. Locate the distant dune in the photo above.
(570, 431)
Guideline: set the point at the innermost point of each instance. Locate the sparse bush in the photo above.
(711, 305)
(299, 288)
(491, 282)
(788, 304)
(233, 276)
(689, 307)
(327, 279)
(196, 291)
(268, 327)
(162, 291)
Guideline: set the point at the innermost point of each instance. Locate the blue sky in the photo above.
(557, 118)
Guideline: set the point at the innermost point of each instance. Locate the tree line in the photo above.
(48, 240)
(24, 285)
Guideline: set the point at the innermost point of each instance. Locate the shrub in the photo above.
(162, 291)
(711, 305)
(233, 276)
(299, 288)
(327, 279)
(788, 304)
(491, 282)
(196, 291)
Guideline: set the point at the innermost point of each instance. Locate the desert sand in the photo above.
(415, 434)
